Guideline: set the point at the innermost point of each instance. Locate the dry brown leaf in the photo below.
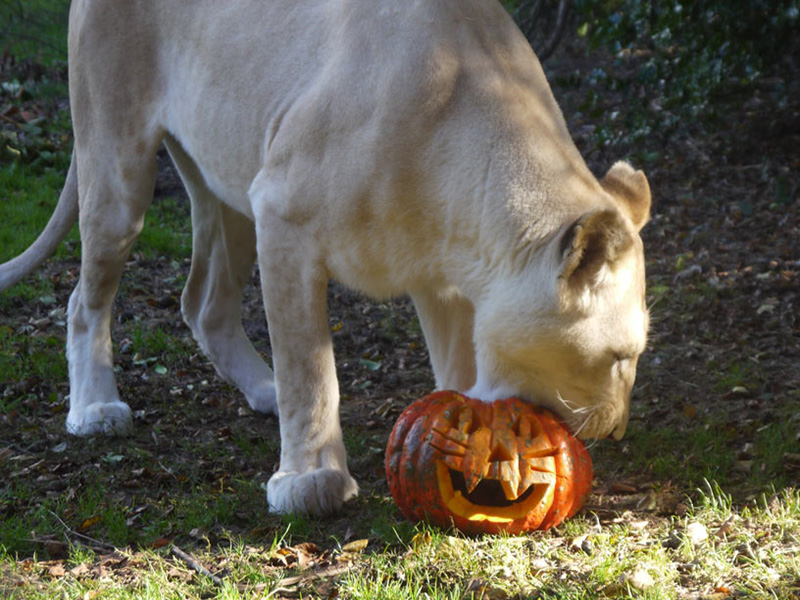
(482, 590)
(622, 488)
(356, 546)
(56, 570)
(160, 542)
(420, 539)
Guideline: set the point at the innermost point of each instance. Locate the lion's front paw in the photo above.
(318, 492)
(113, 418)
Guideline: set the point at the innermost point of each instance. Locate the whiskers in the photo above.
(581, 415)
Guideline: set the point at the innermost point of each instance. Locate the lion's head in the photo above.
(567, 331)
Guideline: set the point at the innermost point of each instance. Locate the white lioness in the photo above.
(400, 147)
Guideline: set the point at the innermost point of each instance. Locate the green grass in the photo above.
(167, 230)
(27, 199)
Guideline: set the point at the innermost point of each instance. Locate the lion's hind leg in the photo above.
(223, 253)
(114, 193)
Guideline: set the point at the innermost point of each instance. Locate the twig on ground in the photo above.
(311, 575)
(289, 584)
(195, 564)
(93, 545)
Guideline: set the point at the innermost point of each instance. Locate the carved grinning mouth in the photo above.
(489, 492)
(496, 472)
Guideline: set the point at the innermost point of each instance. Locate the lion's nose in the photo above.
(619, 431)
(622, 425)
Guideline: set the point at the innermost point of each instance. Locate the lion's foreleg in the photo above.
(447, 322)
(313, 476)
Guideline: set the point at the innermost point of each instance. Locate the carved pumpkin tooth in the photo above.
(509, 478)
(536, 471)
(476, 459)
(510, 490)
(472, 480)
(453, 462)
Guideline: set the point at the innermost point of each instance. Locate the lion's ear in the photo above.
(594, 241)
(631, 190)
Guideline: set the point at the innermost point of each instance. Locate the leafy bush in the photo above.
(693, 50)
(34, 29)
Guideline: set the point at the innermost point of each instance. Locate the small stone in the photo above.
(582, 544)
(539, 565)
(674, 541)
(697, 533)
(640, 579)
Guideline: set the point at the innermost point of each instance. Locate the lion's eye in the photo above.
(623, 357)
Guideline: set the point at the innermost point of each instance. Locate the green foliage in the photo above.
(27, 198)
(690, 51)
(24, 357)
(34, 29)
(167, 230)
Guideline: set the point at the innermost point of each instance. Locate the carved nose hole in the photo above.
(500, 454)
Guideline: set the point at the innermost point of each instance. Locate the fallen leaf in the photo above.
(482, 590)
(307, 547)
(423, 538)
(356, 546)
(582, 544)
(726, 527)
(622, 488)
(370, 364)
(638, 525)
(87, 523)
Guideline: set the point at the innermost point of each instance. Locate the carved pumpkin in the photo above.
(485, 467)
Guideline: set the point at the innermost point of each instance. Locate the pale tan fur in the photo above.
(406, 147)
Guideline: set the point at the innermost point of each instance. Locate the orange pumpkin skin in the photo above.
(485, 467)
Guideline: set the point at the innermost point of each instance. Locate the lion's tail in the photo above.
(61, 221)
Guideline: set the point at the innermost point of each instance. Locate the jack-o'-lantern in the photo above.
(485, 467)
